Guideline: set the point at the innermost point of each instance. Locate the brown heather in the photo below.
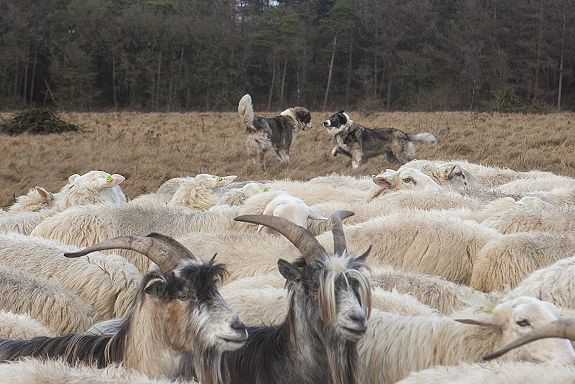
(149, 148)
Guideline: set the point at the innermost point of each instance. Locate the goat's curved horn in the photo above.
(165, 254)
(303, 239)
(563, 328)
(174, 244)
(339, 245)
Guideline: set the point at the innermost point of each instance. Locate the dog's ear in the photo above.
(340, 112)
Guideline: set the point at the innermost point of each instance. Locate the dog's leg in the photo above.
(356, 157)
(340, 151)
(283, 155)
(389, 156)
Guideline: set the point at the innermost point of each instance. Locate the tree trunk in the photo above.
(283, 84)
(330, 72)
(114, 90)
(272, 85)
(25, 84)
(158, 78)
(31, 94)
(349, 67)
(539, 47)
(389, 79)
(297, 81)
(561, 60)
(374, 95)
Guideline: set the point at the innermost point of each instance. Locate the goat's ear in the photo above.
(289, 271)
(156, 287)
(483, 320)
(363, 257)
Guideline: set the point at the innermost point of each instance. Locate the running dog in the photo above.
(360, 143)
(278, 133)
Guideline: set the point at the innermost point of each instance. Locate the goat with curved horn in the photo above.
(303, 239)
(562, 328)
(339, 244)
(162, 250)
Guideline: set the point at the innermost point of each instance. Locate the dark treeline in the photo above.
(176, 55)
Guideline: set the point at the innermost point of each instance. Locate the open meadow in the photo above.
(149, 148)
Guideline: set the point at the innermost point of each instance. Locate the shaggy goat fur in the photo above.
(508, 372)
(107, 282)
(504, 262)
(19, 326)
(56, 307)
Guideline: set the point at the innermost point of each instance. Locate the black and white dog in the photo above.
(360, 143)
(278, 133)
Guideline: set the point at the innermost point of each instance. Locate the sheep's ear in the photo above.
(314, 215)
(156, 287)
(289, 271)
(382, 181)
(73, 178)
(483, 320)
(44, 193)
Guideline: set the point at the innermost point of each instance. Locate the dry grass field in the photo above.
(149, 148)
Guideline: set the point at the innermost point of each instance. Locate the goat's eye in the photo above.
(184, 296)
(408, 180)
(523, 323)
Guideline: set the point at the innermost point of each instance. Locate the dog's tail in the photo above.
(422, 137)
(246, 111)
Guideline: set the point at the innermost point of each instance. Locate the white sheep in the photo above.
(485, 175)
(196, 193)
(507, 372)
(93, 187)
(20, 326)
(428, 242)
(505, 261)
(32, 371)
(532, 216)
(396, 345)
(402, 179)
(443, 295)
(343, 181)
(557, 197)
(313, 193)
(553, 283)
(47, 302)
(107, 282)
(238, 196)
(536, 183)
(34, 200)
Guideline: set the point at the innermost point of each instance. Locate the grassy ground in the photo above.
(151, 148)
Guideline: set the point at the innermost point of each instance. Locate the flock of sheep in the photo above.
(462, 260)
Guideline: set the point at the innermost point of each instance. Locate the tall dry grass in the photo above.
(149, 148)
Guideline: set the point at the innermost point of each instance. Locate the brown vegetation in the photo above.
(151, 148)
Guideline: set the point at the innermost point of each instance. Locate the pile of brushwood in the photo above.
(38, 121)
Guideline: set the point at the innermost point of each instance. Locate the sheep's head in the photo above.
(328, 289)
(451, 173)
(103, 183)
(520, 317)
(35, 200)
(402, 179)
(180, 299)
(213, 181)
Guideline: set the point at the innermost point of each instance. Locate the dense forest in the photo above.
(180, 55)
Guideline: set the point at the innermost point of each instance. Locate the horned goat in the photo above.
(328, 309)
(178, 314)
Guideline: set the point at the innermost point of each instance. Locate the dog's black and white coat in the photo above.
(360, 143)
(278, 133)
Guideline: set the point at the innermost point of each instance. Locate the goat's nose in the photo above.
(238, 325)
(360, 319)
